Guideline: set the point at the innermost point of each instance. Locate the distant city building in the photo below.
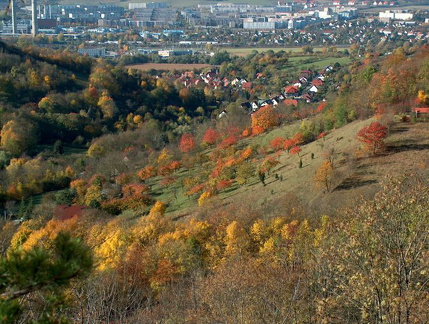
(149, 5)
(264, 23)
(168, 53)
(395, 15)
(93, 52)
(23, 27)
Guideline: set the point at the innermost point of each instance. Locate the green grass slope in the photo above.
(356, 175)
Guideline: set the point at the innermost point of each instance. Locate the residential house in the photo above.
(317, 83)
(313, 89)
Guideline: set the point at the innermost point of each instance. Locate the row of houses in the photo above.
(304, 88)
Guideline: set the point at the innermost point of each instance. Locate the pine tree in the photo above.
(47, 271)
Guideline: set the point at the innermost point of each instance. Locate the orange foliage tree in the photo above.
(265, 118)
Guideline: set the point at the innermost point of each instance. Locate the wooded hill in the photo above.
(308, 214)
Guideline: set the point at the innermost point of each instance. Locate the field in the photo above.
(303, 62)
(244, 51)
(167, 66)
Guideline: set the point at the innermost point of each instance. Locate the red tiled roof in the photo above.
(317, 82)
(63, 212)
(291, 89)
(421, 110)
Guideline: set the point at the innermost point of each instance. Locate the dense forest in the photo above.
(114, 186)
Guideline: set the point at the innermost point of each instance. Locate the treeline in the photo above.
(248, 263)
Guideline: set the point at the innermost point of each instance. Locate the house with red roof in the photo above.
(291, 90)
(64, 212)
(317, 82)
(418, 111)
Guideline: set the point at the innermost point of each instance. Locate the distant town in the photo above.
(107, 30)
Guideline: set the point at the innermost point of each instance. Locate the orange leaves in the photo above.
(264, 118)
(288, 144)
(323, 176)
(277, 144)
(147, 172)
(224, 184)
(229, 141)
(210, 136)
(134, 190)
(196, 189)
(372, 136)
(295, 150)
(321, 107)
(187, 143)
(246, 153)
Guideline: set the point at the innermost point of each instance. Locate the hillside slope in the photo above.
(356, 175)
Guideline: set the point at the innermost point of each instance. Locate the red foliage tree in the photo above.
(373, 136)
(223, 184)
(210, 136)
(288, 144)
(298, 138)
(295, 150)
(321, 106)
(230, 140)
(277, 144)
(187, 143)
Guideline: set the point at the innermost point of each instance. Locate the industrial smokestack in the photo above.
(34, 17)
(13, 11)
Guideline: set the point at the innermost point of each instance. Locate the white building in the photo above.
(395, 15)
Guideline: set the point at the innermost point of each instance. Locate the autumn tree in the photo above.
(376, 269)
(277, 144)
(210, 136)
(265, 118)
(18, 135)
(187, 143)
(324, 176)
(423, 98)
(372, 136)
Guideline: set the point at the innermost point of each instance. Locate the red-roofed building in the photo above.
(420, 110)
(317, 82)
(291, 89)
(247, 85)
(64, 212)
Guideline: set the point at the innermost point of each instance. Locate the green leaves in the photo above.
(41, 270)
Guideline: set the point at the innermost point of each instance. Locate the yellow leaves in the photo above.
(95, 150)
(423, 98)
(109, 251)
(69, 172)
(158, 209)
(164, 156)
(324, 175)
(93, 194)
(45, 235)
(204, 197)
(236, 239)
(258, 230)
(107, 106)
(23, 233)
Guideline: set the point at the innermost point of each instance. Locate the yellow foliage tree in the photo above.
(236, 239)
(324, 176)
